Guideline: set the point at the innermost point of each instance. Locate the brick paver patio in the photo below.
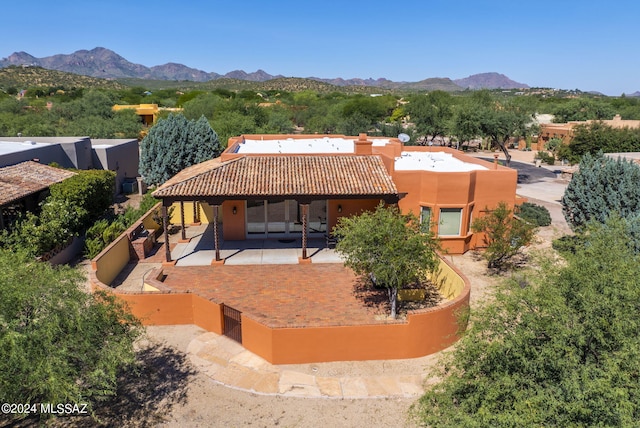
(285, 295)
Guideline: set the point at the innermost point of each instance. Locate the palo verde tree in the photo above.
(504, 235)
(600, 187)
(388, 247)
(432, 114)
(499, 121)
(59, 344)
(559, 348)
(175, 143)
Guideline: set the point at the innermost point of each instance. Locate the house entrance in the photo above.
(283, 219)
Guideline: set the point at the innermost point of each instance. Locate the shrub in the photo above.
(504, 236)
(546, 157)
(90, 192)
(601, 187)
(535, 214)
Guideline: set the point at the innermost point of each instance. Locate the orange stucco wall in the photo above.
(472, 191)
(161, 309)
(347, 207)
(423, 333)
(207, 314)
(233, 226)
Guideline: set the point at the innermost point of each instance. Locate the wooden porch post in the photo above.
(305, 210)
(165, 226)
(196, 212)
(216, 242)
(184, 232)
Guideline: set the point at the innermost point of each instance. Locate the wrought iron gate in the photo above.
(232, 323)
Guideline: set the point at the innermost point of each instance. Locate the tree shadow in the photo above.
(375, 299)
(146, 392)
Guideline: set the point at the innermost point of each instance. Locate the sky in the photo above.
(567, 44)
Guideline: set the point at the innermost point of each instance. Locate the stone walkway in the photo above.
(229, 364)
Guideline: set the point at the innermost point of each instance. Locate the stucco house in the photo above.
(564, 131)
(298, 186)
(118, 155)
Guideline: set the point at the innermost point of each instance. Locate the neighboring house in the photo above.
(148, 112)
(119, 155)
(23, 186)
(298, 186)
(564, 131)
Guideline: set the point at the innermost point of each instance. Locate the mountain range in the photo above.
(104, 63)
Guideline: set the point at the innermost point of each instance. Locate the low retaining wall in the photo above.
(425, 331)
(110, 262)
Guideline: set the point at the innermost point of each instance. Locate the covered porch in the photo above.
(284, 203)
(199, 250)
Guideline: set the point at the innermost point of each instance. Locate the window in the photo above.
(425, 215)
(450, 220)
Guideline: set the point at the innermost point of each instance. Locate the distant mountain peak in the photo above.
(105, 63)
(491, 80)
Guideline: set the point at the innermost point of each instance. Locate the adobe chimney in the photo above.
(362, 146)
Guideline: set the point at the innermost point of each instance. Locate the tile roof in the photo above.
(25, 178)
(263, 176)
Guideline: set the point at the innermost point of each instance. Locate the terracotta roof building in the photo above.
(295, 186)
(22, 185)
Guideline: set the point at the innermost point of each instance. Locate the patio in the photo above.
(200, 250)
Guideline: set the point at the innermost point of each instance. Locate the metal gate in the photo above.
(232, 323)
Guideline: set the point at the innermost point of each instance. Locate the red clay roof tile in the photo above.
(23, 179)
(252, 176)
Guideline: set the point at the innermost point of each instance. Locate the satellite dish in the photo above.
(404, 138)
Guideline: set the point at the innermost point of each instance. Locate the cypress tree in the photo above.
(175, 143)
(601, 187)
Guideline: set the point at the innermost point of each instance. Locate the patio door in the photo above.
(282, 219)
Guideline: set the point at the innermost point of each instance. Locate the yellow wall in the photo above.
(450, 282)
(110, 262)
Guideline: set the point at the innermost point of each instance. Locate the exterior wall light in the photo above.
(235, 210)
(339, 208)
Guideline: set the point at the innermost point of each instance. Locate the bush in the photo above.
(90, 192)
(535, 214)
(106, 230)
(601, 187)
(504, 236)
(546, 157)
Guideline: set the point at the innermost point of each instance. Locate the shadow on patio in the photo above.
(200, 250)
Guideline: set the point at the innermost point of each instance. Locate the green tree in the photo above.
(597, 136)
(504, 235)
(59, 344)
(500, 121)
(432, 114)
(174, 144)
(581, 109)
(559, 348)
(601, 186)
(387, 247)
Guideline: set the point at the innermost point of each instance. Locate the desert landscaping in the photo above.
(188, 396)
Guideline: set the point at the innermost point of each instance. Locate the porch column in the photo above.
(216, 242)
(165, 226)
(305, 211)
(184, 232)
(196, 212)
